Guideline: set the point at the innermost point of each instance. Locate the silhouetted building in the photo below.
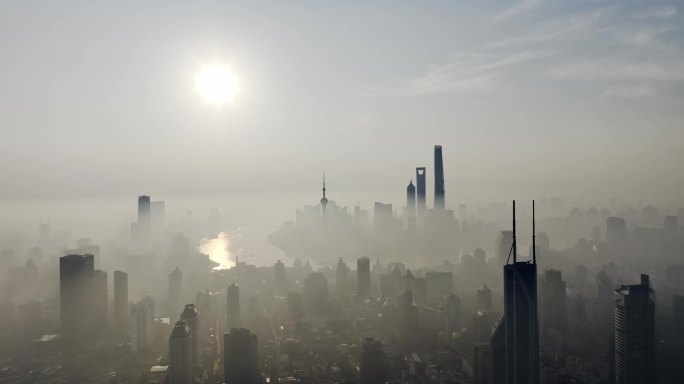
(635, 333)
(482, 364)
(616, 229)
(678, 314)
(141, 324)
(452, 314)
(295, 310)
(30, 320)
(604, 303)
(158, 217)
(144, 218)
(204, 301)
(175, 288)
(372, 363)
(100, 301)
(498, 353)
(515, 343)
(503, 246)
(411, 206)
(75, 272)
(382, 218)
(315, 292)
(439, 178)
(233, 305)
(554, 300)
(420, 192)
(280, 279)
(363, 277)
(341, 277)
(438, 285)
(324, 201)
(191, 318)
(408, 315)
(484, 298)
(180, 369)
(121, 300)
(240, 360)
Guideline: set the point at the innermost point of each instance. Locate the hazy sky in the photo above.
(570, 98)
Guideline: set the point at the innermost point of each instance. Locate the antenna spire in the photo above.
(534, 237)
(323, 184)
(515, 245)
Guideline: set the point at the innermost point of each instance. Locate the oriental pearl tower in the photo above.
(324, 200)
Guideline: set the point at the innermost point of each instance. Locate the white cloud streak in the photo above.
(519, 8)
(476, 71)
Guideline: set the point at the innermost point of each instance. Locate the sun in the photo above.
(217, 84)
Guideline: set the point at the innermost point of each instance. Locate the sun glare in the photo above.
(217, 84)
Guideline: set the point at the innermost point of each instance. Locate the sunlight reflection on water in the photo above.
(219, 250)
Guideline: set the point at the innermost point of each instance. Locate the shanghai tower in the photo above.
(439, 178)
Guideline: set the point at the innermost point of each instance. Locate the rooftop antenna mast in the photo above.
(534, 237)
(515, 245)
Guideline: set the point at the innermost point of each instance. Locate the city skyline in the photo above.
(479, 82)
(388, 192)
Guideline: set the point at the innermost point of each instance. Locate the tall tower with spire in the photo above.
(439, 178)
(515, 342)
(411, 205)
(411, 199)
(324, 200)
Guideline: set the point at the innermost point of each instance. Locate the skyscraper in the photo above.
(363, 278)
(438, 285)
(75, 271)
(233, 304)
(175, 288)
(240, 360)
(98, 292)
(280, 280)
(180, 354)
(515, 343)
(420, 192)
(295, 310)
(121, 300)
(482, 364)
(635, 333)
(616, 229)
(191, 318)
(382, 217)
(439, 178)
(484, 298)
(411, 206)
(315, 292)
(678, 314)
(141, 324)
(144, 217)
(504, 244)
(372, 362)
(554, 300)
(324, 201)
(341, 276)
(452, 314)
(157, 217)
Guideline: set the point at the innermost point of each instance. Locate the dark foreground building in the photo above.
(240, 361)
(75, 274)
(635, 333)
(372, 363)
(515, 342)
